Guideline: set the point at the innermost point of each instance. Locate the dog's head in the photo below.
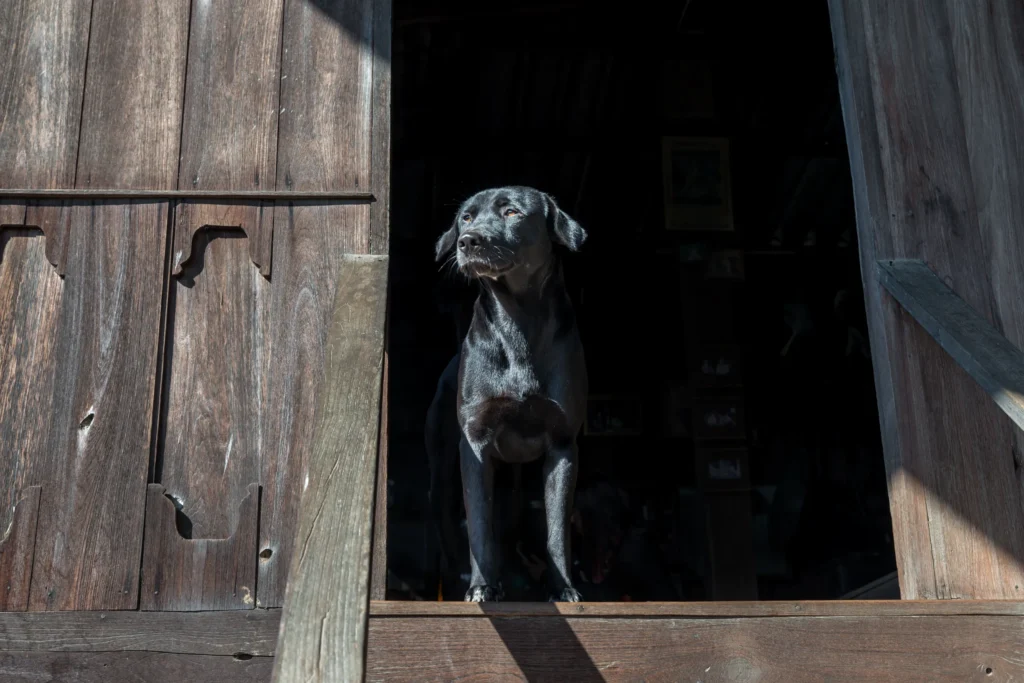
(505, 229)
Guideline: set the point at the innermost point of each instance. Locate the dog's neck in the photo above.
(527, 302)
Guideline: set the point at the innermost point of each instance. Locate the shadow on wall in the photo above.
(358, 17)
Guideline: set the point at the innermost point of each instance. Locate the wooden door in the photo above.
(181, 186)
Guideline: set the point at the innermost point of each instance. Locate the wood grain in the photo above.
(255, 219)
(29, 327)
(792, 650)
(88, 441)
(379, 559)
(17, 548)
(694, 610)
(43, 47)
(229, 126)
(131, 116)
(935, 158)
(216, 377)
(323, 627)
(105, 667)
(380, 130)
(987, 356)
(182, 574)
(252, 632)
(326, 95)
(309, 243)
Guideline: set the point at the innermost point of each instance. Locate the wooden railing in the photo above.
(986, 355)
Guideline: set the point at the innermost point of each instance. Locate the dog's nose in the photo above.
(469, 241)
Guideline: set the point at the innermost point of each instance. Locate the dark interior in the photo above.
(732, 447)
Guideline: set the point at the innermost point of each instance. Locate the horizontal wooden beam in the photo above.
(622, 642)
(111, 667)
(987, 356)
(699, 610)
(246, 632)
(208, 195)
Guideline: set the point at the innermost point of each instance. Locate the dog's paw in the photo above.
(567, 594)
(483, 594)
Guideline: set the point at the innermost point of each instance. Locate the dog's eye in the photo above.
(511, 212)
(466, 217)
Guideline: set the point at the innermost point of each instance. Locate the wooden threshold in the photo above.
(857, 640)
(978, 347)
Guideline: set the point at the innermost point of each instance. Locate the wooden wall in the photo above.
(161, 354)
(931, 99)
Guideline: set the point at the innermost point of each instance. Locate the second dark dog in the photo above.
(522, 379)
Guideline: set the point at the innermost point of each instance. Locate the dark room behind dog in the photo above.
(627, 343)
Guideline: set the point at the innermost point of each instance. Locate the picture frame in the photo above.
(722, 469)
(714, 366)
(613, 415)
(719, 418)
(697, 184)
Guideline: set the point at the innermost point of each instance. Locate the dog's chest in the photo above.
(519, 429)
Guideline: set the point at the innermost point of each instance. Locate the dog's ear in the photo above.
(446, 242)
(564, 230)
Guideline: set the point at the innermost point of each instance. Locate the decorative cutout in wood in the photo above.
(17, 550)
(51, 219)
(255, 219)
(182, 574)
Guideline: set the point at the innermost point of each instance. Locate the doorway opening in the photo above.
(731, 449)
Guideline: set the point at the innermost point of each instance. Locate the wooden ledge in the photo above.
(699, 610)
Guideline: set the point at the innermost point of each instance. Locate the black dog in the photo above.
(522, 379)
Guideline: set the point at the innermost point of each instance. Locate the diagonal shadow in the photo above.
(543, 645)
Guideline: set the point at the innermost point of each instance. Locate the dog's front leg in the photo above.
(478, 495)
(559, 484)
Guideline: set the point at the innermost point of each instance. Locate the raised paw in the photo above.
(568, 594)
(483, 594)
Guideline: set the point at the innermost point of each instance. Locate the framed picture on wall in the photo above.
(697, 184)
(713, 366)
(722, 469)
(613, 416)
(726, 264)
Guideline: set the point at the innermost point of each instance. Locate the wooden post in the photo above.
(931, 102)
(323, 627)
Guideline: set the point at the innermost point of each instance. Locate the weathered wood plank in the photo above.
(43, 48)
(131, 116)
(90, 447)
(105, 667)
(380, 132)
(229, 126)
(219, 332)
(183, 574)
(920, 117)
(309, 244)
(326, 95)
(695, 610)
(323, 628)
(254, 219)
(987, 356)
(250, 632)
(792, 650)
(17, 548)
(28, 326)
(379, 560)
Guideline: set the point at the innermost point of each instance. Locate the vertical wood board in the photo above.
(925, 92)
(131, 116)
(229, 127)
(326, 96)
(43, 49)
(93, 461)
(323, 626)
(309, 244)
